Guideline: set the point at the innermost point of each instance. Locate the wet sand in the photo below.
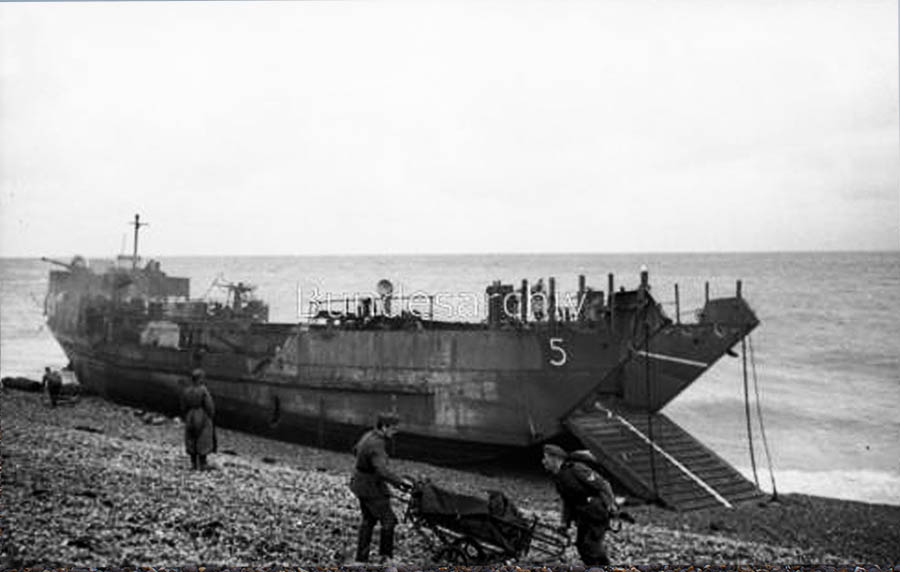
(101, 485)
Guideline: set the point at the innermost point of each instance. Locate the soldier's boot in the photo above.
(386, 542)
(590, 545)
(203, 465)
(363, 540)
(195, 462)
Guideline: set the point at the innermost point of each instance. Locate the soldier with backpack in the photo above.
(587, 499)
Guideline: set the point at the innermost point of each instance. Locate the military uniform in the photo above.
(53, 382)
(199, 432)
(588, 500)
(370, 484)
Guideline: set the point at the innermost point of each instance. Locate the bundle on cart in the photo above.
(464, 529)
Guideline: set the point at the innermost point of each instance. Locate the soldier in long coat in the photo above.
(198, 411)
(370, 484)
(587, 499)
(53, 382)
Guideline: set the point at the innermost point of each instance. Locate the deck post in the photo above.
(524, 304)
(706, 293)
(677, 305)
(551, 300)
(581, 290)
(612, 301)
(738, 288)
(645, 285)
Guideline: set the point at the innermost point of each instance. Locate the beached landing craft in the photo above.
(531, 372)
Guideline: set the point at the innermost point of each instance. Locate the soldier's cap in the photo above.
(198, 374)
(386, 419)
(552, 450)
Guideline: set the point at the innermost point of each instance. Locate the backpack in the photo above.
(602, 505)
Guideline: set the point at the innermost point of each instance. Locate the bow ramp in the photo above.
(655, 458)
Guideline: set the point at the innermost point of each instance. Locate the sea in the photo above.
(826, 354)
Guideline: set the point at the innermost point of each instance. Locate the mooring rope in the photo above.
(747, 410)
(665, 455)
(762, 429)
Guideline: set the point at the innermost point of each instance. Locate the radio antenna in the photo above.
(137, 225)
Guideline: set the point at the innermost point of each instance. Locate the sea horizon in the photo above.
(492, 253)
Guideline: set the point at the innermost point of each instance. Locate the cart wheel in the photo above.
(474, 553)
(451, 555)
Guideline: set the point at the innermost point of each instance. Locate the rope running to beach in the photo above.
(747, 411)
(762, 429)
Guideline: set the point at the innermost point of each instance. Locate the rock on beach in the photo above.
(96, 484)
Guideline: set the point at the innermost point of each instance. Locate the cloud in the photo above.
(271, 127)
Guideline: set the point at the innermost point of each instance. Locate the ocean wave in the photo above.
(864, 485)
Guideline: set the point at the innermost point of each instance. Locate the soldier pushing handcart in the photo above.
(61, 386)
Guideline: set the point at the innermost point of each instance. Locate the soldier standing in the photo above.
(587, 499)
(198, 412)
(369, 483)
(53, 382)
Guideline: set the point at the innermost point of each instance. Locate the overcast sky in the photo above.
(402, 127)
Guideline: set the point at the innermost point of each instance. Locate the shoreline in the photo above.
(98, 484)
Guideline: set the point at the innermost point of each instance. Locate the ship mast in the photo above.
(137, 225)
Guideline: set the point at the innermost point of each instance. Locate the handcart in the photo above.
(467, 530)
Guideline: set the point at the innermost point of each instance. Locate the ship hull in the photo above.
(150, 389)
(472, 386)
(464, 395)
(464, 392)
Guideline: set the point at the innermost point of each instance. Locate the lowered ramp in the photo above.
(658, 459)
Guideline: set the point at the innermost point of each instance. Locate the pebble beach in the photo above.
(95, 484)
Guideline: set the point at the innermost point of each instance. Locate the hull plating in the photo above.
(474, 390)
